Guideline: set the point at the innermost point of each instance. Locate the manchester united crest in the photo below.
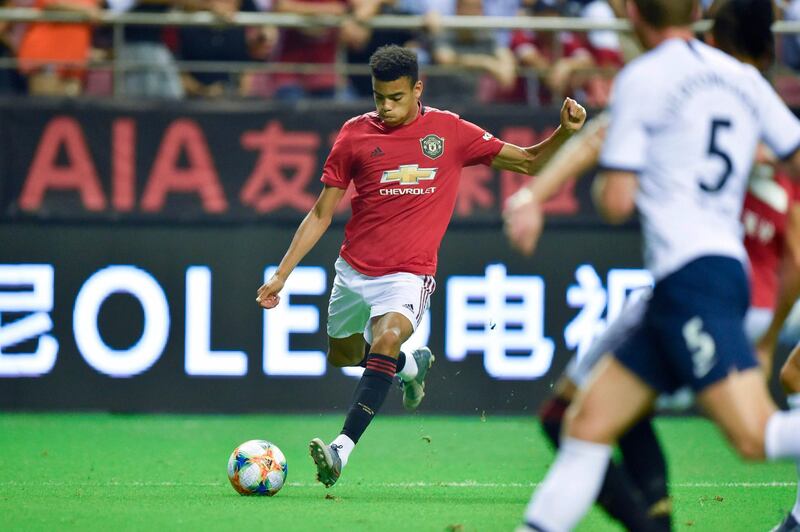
(432, 146)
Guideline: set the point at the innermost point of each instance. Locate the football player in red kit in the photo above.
(771, 219)
(405, 161)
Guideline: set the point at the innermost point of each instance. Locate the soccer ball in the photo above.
(257, 467)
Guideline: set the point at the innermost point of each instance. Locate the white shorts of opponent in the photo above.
(357, 298)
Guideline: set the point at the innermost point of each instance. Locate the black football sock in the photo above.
(622, 500)
(644, 460)
(369, 395)
(619, 496)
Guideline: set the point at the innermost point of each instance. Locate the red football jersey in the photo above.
(406, 181)
(764, 216)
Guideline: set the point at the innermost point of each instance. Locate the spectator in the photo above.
(475, 50)
(540, 50)
(501, 8)
(262, 42)
(791, 42)
(563, 57)
(361, 41)
(149, 66)
(433, 10)
(11, 81)
(219, 43)
(630, 46)
(603, 49)
(54, 55)
(360, 50)
(316, 46)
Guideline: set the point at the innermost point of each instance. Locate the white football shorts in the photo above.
(357, 298)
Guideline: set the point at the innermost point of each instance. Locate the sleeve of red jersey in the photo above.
(337, 170)
(477, 146)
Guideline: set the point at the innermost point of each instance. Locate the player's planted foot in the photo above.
(326, 458)
(789, 524)
(414, 389)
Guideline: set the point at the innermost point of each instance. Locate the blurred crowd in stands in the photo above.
(167, 62)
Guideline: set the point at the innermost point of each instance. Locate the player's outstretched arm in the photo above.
(531, 159)
(307, 235)
(788, 290)
(523, 214)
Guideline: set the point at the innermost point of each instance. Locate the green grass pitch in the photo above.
(164, 472)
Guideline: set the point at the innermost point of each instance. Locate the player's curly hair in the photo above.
(392, 62)
(743, 28)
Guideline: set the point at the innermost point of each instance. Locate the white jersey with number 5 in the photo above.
(686, 118)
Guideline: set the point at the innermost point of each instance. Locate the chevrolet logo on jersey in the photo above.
(408, 174)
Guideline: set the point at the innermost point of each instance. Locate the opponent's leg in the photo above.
(553, 410)
(644, 461)
(741, 406)
(613, 399)
(389, 332)
(619, 496)
(790, 379)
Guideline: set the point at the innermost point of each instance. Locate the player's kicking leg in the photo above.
(389, 331)
(384, 311)
(354, 299)
(790, 379)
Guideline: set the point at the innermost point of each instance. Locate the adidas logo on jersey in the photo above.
(409, 306)
(377, 152)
